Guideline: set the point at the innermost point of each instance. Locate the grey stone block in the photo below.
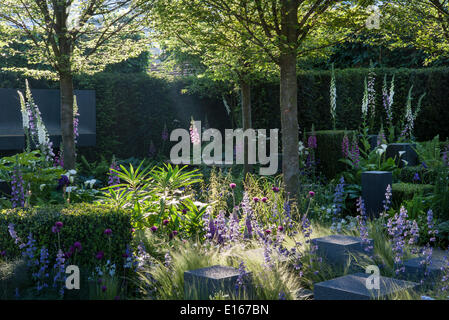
(339, 250)
(410, 154)
(415, 271)
(203, 283)
(353, 287)
(374, 186)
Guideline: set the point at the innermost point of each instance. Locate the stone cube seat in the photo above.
(353, 287)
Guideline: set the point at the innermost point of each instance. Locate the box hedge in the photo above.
(405, 191)
(407, 174)
(84, 223)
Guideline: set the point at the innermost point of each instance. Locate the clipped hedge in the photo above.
(314, 102)
(406, 191)
(133, 108)
(425, 175)
(329, 151)
(84, 223)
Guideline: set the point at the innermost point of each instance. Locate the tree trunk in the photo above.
(68, 139)
(289, 97)
(246, 119)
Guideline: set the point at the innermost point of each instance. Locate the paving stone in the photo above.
(353, 287)
(414, 270)
(202, 283)
(374, 186)
(339, 249)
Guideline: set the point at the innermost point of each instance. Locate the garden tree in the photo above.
(190, 27)
(287, 30)
(72, 36)
(423, 24)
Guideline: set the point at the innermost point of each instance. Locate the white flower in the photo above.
(71, 172)
(70, 189)
(90, 183)
(381, 149)
(42, 186)
(401, 153)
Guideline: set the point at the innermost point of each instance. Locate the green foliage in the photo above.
(430, 152)
(440, 200)
(85, 223)
(406, 191)
(427, 176)
(40, 178)
(156, 195)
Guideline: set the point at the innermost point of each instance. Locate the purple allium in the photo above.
(165, 222)
(57, 227)
(3, 253)
(99, 255)
(311, 194)
(153, 228)
(184, 211)
(264, 199)
(232, 185)
(174, 233)
(256, 199)
(275, 189)
(77, 246)
(281, 228)
(104, 288)
(267, 231)
(107, 232)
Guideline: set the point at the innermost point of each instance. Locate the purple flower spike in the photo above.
(99, 255)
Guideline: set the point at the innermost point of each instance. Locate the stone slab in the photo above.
(415, 271)
(201, 284)
(353, 287)
(339, 249)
